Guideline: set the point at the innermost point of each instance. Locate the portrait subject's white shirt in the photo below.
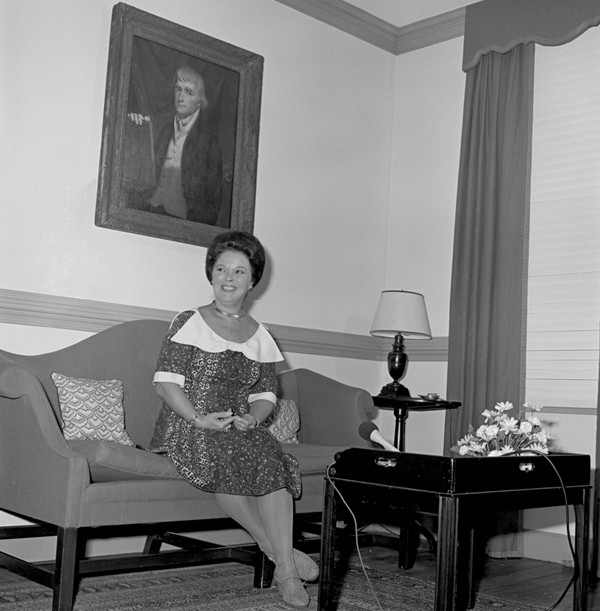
(181, 129)
(169, 193)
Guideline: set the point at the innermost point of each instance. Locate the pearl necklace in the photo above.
(218, 310)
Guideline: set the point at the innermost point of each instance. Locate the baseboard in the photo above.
(547, 546)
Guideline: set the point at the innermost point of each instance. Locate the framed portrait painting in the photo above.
(180, 131)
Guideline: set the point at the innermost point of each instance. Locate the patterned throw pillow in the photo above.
(92, 409)
(284, 422)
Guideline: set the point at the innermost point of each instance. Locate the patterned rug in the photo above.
(228, 587)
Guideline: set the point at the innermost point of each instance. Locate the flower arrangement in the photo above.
(503, 434)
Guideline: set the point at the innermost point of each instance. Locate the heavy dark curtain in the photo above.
(487, 300)
(487, 311)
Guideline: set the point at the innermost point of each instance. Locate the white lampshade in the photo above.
(401, 312)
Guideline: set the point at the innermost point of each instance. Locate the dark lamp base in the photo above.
(394, 389)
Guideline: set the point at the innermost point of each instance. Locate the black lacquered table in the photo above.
(464, 492)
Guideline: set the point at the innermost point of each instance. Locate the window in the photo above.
(564, 255)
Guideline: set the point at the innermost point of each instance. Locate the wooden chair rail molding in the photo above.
(39, 310)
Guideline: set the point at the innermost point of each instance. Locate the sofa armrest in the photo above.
(40, 476)
(330, 412)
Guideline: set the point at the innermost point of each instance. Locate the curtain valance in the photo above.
(500, 25)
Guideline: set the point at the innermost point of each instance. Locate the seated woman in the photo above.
(216, 377)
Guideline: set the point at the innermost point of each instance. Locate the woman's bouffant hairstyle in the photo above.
(239, 241)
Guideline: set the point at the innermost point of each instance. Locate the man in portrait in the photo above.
(184, 170)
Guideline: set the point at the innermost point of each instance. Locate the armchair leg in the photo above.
(65, 571)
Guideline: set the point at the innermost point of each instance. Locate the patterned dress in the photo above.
(218, 375)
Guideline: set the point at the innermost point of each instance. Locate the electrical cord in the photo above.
(356, 540)
(576, 566)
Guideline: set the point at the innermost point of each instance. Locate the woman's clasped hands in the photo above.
(245, 422)
(218, 421)
(223, 421)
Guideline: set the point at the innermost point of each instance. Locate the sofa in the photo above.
(84, 488)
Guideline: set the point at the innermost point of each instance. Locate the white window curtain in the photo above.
(563, 307)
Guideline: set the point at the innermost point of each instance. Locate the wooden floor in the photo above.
(522, 580)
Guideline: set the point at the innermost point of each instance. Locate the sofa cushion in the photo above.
(313, 458)
(284, 421)
(109, 461)
(92, 409)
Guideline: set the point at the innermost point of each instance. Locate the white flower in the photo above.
(487, 432)
(539, 448)
(502, 434)
(525, 427)
(532, 407)
(509, 425)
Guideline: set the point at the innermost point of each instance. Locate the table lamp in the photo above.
(399, 314)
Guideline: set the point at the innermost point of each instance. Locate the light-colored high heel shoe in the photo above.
(292, 591)
(308, 569)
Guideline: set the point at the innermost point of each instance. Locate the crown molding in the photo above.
(432, 31)
(39, 310)
(350, 19)
(378, 32)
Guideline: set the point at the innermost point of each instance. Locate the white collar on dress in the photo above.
(261, 347)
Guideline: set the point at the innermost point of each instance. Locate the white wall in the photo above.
(324, 177)
(358, 159)
(37, 340)
(333, 111)
(427, 125)
(323, 171)
(323, 174)
(429, 94)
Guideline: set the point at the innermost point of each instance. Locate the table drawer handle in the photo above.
(384, 461)
(526, 467)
